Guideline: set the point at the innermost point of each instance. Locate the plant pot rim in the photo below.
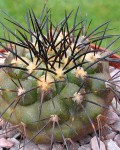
(115, 56)
(95, 47)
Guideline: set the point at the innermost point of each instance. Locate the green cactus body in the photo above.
(54, 83)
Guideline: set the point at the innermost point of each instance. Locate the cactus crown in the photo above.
(52, 77)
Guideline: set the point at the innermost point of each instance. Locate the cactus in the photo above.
(53, 84)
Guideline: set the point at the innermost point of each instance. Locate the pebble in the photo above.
(2, 61)
(10, 132)
(57, 147)
(85, 147)
(111, 117)
(111, 145)
(17, 135)
(116, 126)
(116, 106)
(85, 140)
(29, 146)
(106, 130)
(2, 134)
(110, 136)
(117, 139)
(95, 146)
(16, 144)
(44, 146)
(73, 146)
(6, 143)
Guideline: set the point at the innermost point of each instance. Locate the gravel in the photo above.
(16, 144)
(111, 145)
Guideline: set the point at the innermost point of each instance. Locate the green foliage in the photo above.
(99, 11)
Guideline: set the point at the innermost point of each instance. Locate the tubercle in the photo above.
(95, 47)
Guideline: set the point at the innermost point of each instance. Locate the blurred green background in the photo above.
(97, 10)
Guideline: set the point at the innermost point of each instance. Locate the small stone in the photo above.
(117, 139)
(95, 146)
(2, 61)
(29, 146)
(85, 140)
(116, 126)
(17, 135)
(57, 147)
(10, 132)
(106, 130)
(111, 69)
(116, 106)
(6, 143)
(111, 145)
(110, 136)
(44, 146)
(111, 117)
(16, 144)
(85, 147)
(2, 135)
(73, 146)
